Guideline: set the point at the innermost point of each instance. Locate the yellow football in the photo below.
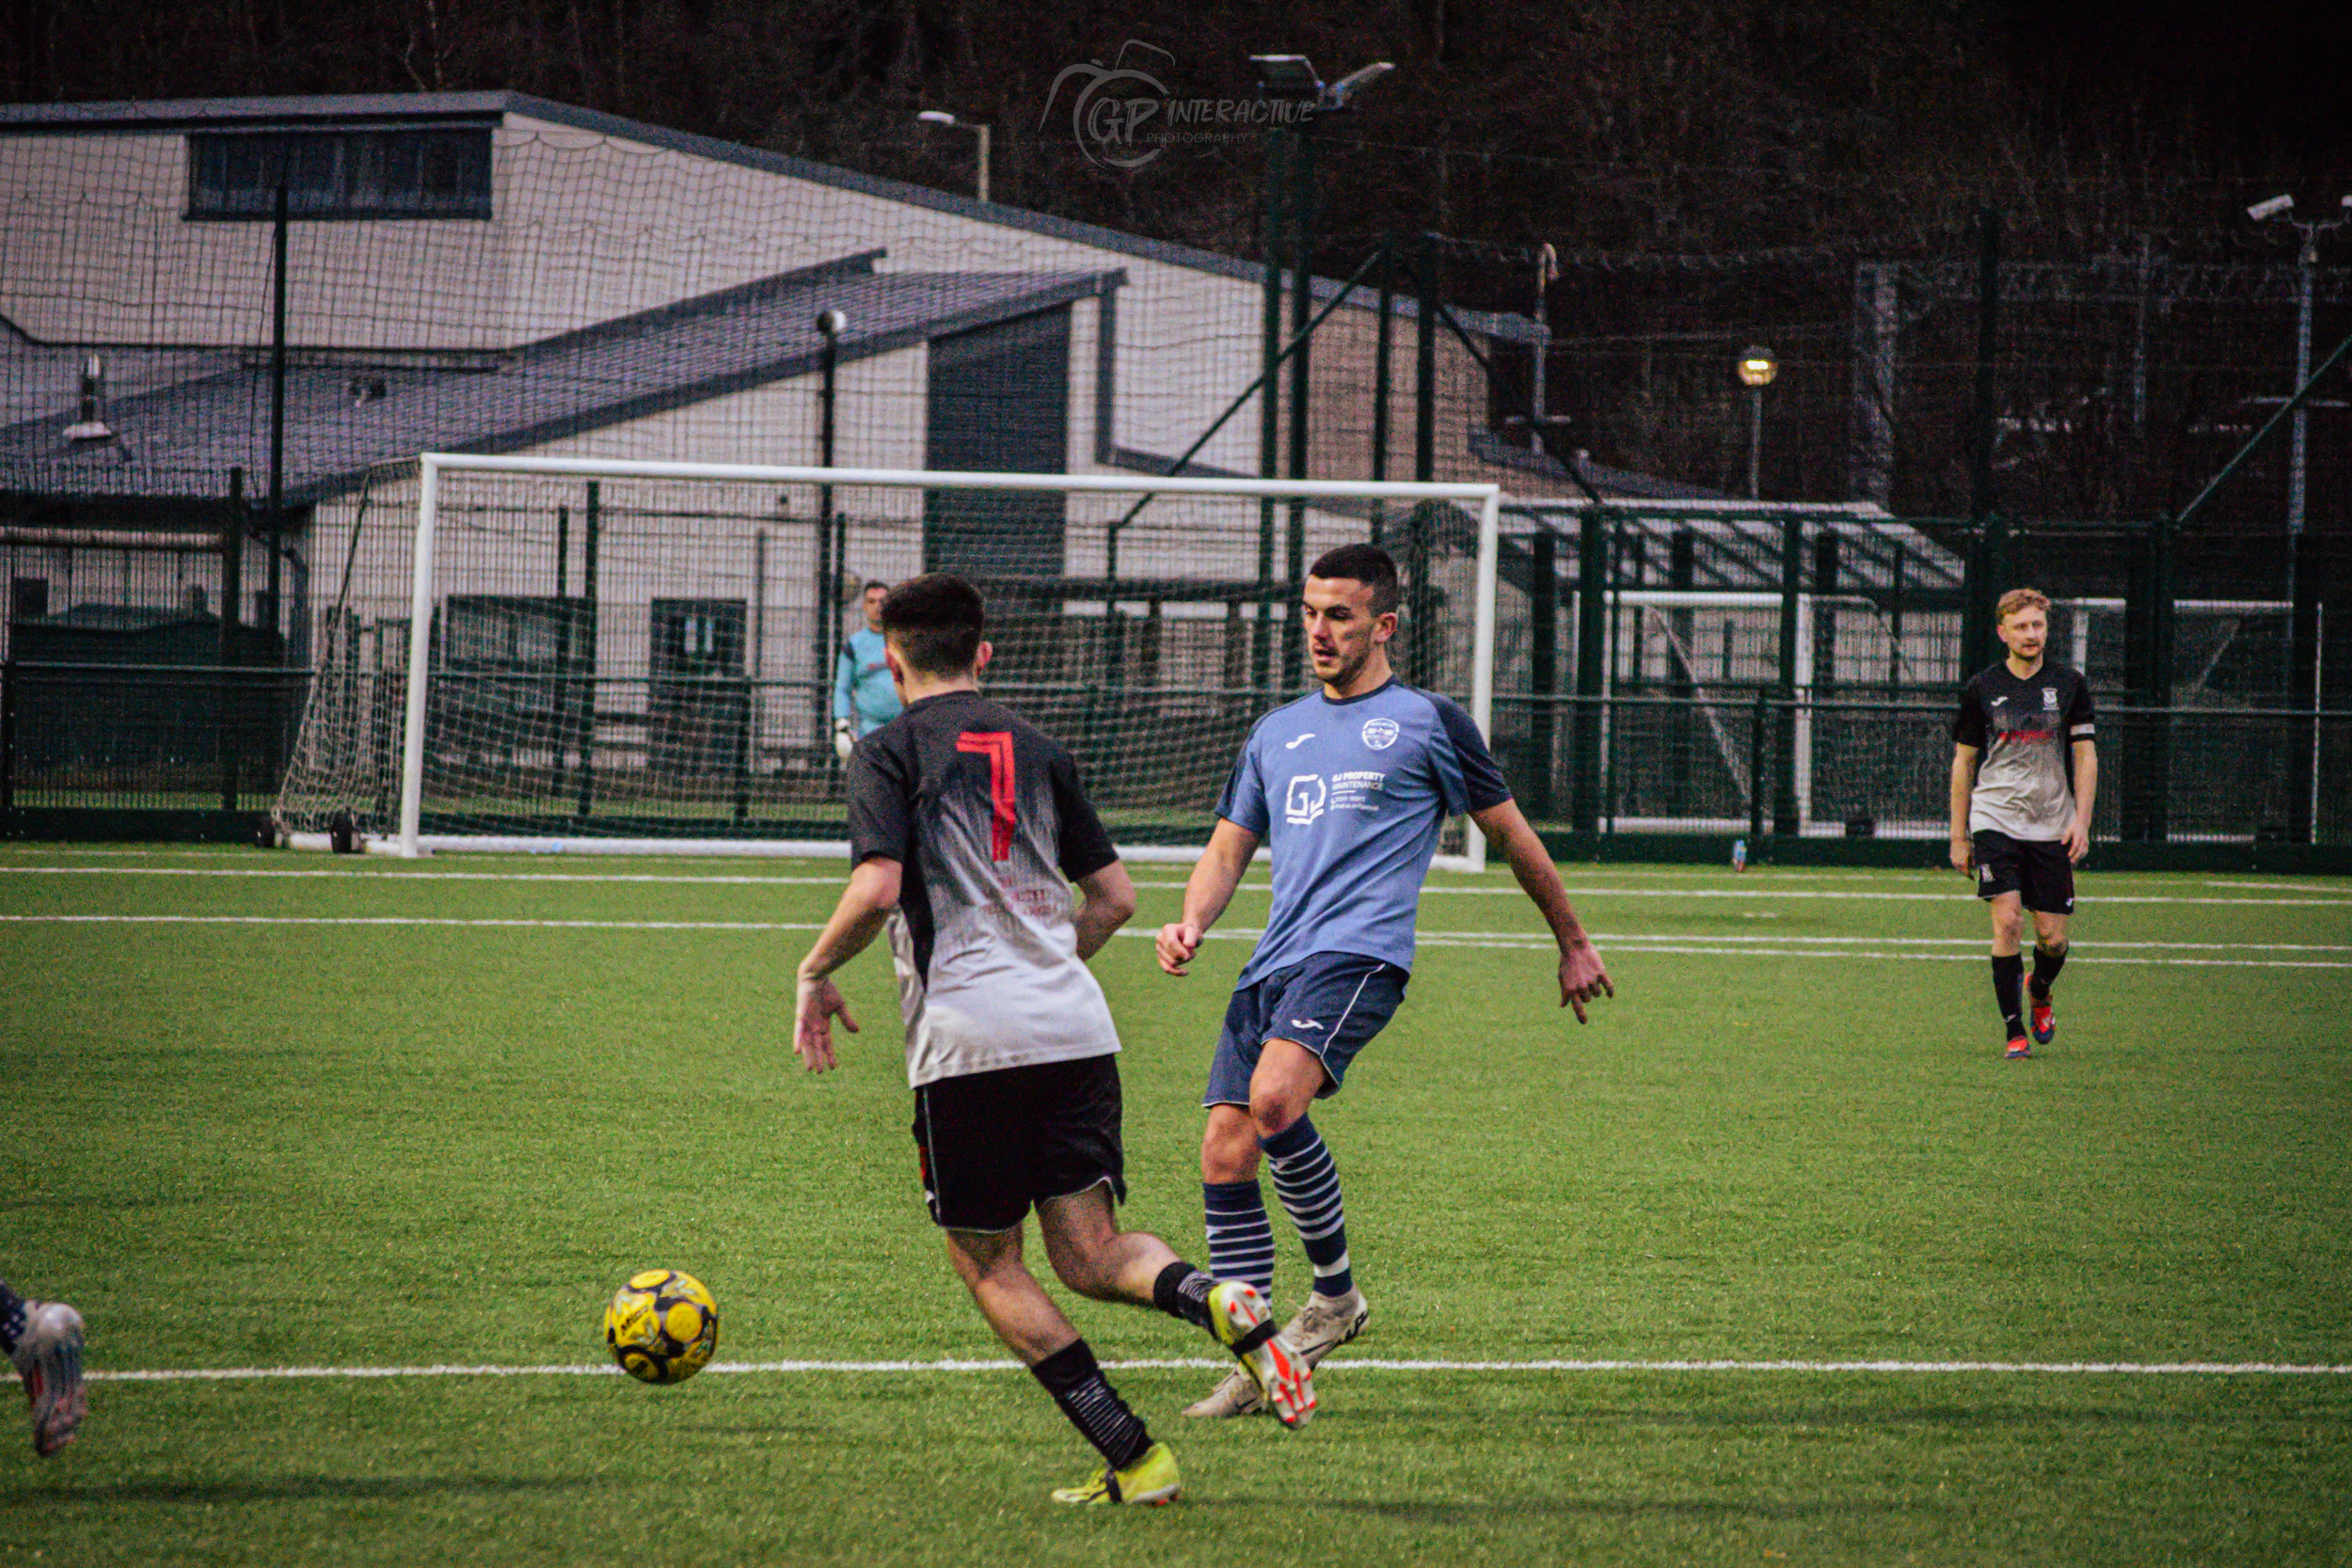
(662, 1326)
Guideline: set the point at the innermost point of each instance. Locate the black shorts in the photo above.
(2036, 869)
(993, 1142)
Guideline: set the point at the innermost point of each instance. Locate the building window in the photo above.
(28, 599)
(339, 174)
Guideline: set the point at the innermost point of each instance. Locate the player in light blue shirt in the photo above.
(1349, 787)
(864, 699)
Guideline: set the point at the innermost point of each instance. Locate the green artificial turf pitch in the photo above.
(324, 1121)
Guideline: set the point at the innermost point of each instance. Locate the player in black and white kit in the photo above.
(2024, 774)
(967, 826)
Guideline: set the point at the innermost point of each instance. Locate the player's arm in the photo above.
(2085, 796)
(1110, 904)
(1972, 731)
(1206, 893)
(1963, 785)
(866, 904)
(845, 702)
(1582, 976)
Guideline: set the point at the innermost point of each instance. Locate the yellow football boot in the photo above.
(1153, 1479)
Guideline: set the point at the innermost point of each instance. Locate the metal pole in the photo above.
(825, 620)
(278, 408)
(563, 649)
(1269, 403)
(1988, 343)
(1592, 610)
(1785, 820)
(7, 734)
(420, 651)
(2308, 259)
(1483, 648)
(2254, 442)
(2319, 663)
(231, 560)
(1543, 659)
(1425, 364)
(1756, 439)
(590, 538)
(1383, 351)
(1302, 301)
(982, 130)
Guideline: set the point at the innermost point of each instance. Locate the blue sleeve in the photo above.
(845, 680)
(1472, 781)
(1243, 803)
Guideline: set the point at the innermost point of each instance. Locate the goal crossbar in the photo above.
(410, 841)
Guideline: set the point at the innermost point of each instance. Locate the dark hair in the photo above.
(934, 621)
(1366, 564)
(872, 583)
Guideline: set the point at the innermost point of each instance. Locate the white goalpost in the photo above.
(602, 655)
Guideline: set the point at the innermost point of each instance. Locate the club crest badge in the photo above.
(1380, 734)
(2049, 698)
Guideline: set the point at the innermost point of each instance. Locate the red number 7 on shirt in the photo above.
(996, 745)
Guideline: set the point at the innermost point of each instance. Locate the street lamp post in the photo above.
(1757, 368)
(941, 117)
(2307, 257)
(1304, 98)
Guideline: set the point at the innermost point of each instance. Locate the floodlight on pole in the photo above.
(1757, 368)
(941, 117)
(2307, 259)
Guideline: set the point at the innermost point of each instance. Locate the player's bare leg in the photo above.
(2009, 970)
(1281, 1090)
(1134, 1469)
(2049, 957)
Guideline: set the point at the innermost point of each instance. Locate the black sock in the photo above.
(2009, 976)
(1182, 1292)
(11, 1319)
(1093, 1406)
(2046, 965)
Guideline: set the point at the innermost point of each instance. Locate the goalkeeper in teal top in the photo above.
(1349, 786)
(864, 699)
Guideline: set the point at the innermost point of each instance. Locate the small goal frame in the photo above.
(410, 842)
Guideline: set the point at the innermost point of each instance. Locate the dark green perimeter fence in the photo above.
(109, 751)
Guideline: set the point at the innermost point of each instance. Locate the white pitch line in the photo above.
(2064, 1368)
(1956, 895)
(409, 920)
(413, 875)
(1510, 940)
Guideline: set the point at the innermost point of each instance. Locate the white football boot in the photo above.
(49, 1358)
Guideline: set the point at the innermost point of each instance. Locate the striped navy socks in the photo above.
(1241, 1242)
(1308, 1182)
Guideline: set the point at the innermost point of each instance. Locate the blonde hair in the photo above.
(2017, 599)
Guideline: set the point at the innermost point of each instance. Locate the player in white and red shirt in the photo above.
(967, 827)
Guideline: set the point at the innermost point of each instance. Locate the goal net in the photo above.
(614, 656)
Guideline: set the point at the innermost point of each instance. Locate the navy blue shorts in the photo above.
(1332, 1004)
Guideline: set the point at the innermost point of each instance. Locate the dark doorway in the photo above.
(699, 707)
(999, 402)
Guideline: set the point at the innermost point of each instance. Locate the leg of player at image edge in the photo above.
(1241, 1243)
(43, 1339)
(1134, 1468)
(2048, 962)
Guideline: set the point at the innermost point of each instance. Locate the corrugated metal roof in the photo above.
(345, 417)
(182, 114)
